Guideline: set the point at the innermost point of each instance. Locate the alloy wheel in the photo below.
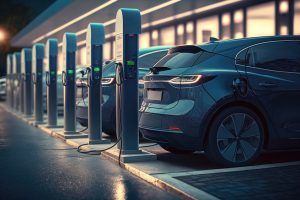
(238, 137)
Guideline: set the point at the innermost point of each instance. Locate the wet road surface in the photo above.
(34, 165)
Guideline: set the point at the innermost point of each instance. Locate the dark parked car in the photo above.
(229, 98)
(147, 58)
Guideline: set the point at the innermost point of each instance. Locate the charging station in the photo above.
(22, 82)
(8, 80)
(94, 48)
(51, 51)
(37, 79)
(26, 56)
(128, 28)
(69, 49)
(16, 80)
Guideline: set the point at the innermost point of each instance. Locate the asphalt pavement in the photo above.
(34, 165)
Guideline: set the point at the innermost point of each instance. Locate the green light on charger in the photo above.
(52, 72)
(130, 62)
(96, 69)
(70, 71)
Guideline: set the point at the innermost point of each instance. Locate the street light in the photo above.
(2, 35)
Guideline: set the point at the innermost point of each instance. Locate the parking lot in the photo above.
(273, 175)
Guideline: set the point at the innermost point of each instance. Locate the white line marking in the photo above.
(186, 188)
(234, 169)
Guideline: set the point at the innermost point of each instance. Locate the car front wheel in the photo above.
(235, 137)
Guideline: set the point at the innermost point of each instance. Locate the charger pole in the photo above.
(51, 51)
(128, 28)
(68, 77)
(94, 48)
(26, 56)
(37, 78)
(17, 78)
(8, 80)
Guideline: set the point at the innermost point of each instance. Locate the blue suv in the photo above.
(229, 98)
(147, 58)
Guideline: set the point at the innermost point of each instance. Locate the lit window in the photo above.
(180, 29)
(168, 36)
(261, 20)
(60, 61)
(144, 40)
(297, 18)
(154, 37)
(226, 26)
(284, 7)
(106, 51)
(190, 33)
(82, 59)
(180, 34)
(114, 49)
(238, 18)
(283, 17)
(206, 28)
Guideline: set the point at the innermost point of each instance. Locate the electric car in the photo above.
(147, 58)
(229, 98)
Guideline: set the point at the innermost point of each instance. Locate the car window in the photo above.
(278, 56)
(241, 57)
(148, 60)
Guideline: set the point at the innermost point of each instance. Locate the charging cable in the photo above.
(33, 78)
(96, 152)
(47, 79)
(64, 78)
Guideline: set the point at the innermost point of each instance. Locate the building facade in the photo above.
(164, 22)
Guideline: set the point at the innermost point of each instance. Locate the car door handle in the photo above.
(268, 85)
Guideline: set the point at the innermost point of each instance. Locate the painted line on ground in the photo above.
(234, 169)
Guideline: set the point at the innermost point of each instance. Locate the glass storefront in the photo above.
(167, 36)
(261, 20)
(297, 18)
(206, 28)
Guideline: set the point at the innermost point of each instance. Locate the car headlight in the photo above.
(107, 81)
(185, 80)
(141, 82)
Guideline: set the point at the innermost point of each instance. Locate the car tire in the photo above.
(235, 138)
(176, 150)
